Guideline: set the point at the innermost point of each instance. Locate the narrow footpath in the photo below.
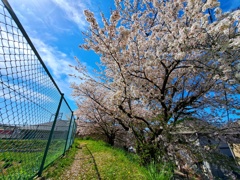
(83, 167)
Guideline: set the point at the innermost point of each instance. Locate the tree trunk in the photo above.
(111, 139)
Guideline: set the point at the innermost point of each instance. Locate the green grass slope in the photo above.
(89, 159)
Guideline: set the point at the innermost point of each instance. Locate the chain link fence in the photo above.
(37, 125)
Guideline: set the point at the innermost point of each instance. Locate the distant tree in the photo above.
(163, 62)
(97, 121)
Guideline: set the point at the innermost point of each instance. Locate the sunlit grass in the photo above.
(58, 167)
(112, 163)
(21, 159)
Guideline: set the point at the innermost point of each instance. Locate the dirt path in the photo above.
(83, 167)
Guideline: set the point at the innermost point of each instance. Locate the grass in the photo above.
(107, 162)
(159, 171)
(96, 158)
(17, 165)
(21, 159)
(58, 167)
(115, 163)
(22, 145)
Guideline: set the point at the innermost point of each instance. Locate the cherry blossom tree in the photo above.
(97, 121)
(164, 62)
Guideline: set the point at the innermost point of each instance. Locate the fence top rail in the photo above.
(15, 18)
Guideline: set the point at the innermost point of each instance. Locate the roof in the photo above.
(61, 125)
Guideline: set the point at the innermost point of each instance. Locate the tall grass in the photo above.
(159, 171)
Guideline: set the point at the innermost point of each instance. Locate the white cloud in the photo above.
(52, 57)
(50, 21)
(14, 59)
(20, 93)
(47, 15)
(74, 11)
(14, 64)
(58, 63)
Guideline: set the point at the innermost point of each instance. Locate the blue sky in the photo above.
(55, 26)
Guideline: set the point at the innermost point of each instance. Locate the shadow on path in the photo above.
(95, 165)
(84, 166)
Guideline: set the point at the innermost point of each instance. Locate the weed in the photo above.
(7, 165)
(159, 171)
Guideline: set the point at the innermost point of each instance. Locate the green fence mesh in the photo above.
(37, 125)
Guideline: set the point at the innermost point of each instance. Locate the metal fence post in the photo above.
(68, 133)
(50, 137)
(73, 133)
(75, 130)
